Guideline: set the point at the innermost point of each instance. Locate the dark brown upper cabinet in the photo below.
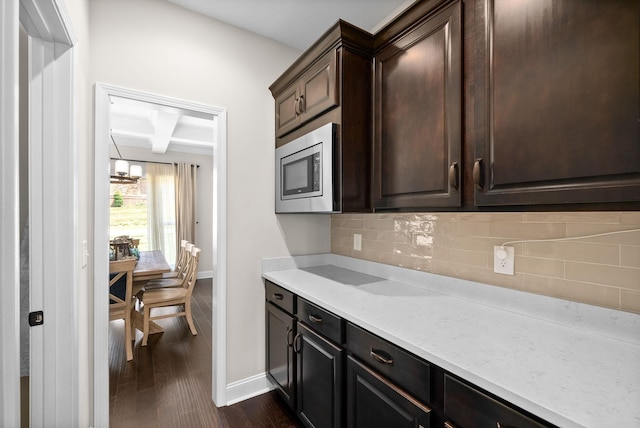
(315, 92)
(418, 110)
(557, 102)
(331, 83)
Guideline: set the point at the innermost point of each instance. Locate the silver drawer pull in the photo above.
(375, 354)
(278, 296)
(315, 319)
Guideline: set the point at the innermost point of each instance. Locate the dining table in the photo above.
(151, 265)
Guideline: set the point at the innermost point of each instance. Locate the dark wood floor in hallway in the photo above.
(168, 383)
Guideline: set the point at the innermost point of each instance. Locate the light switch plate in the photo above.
(503, 263)
(85, 253)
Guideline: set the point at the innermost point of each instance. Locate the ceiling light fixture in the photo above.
(123, 173)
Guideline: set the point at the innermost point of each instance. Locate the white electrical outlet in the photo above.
(503, 260)
(357, 242)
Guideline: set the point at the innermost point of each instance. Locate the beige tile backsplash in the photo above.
(599, 270)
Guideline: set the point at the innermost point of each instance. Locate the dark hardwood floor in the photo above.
(168, 383)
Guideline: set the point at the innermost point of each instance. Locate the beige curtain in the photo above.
(185, 202)
(161, 214)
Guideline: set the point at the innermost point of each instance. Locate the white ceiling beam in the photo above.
(165, 125)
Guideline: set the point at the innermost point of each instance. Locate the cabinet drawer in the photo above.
(404, 369)
(372, 401)
(322, 321)
(465, 406)
(280, 297)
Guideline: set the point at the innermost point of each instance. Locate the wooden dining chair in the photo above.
(183, 258)
(165, 297)
(177, 281)
(121, 306)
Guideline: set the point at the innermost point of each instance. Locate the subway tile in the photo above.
(574, 251)
(381, 235)
(540, 266)
(411, 250)
(527, 231)
(468, 243)
(621, 235)
(337, 249)
(373, 223)
(614, 276)
(359, 216)
(345, 233)
(461, 245)
(630, 218)
(630, 256)
(485, 217)
(574, 217)
(468, 258)
(418, 263)
(462, 229)
(573, 290)
(378, 246)
(365, 254)
(395, 259)
(352, 224)
(630, 300)
(476, 274)
(389, 216)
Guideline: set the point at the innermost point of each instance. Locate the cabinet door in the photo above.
(280, 362)
(315, 92)
(319, 387)
(373, 401)
(557, 102)
(319, 91)
(287, 117)
(418, 116)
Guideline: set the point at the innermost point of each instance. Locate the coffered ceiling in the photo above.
(160, 128)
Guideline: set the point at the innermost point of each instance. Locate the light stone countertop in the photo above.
(571, 364)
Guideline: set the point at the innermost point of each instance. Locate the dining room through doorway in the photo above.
(212, 236)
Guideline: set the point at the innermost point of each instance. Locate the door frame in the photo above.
(103, 92)
(9, 217)
(53, 211)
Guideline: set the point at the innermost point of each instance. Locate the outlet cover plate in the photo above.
(504, 266)
(357, 242)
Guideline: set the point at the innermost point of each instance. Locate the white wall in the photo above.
(78, 11)
(158, 47)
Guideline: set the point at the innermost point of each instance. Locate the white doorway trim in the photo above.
(9, 217)
(103, 92)
(52, 212)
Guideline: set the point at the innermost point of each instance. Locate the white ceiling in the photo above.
(297, 23)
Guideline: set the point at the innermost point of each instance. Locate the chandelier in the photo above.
(123, 173)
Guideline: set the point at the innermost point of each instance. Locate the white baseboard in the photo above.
(248, 388)
(204, 274)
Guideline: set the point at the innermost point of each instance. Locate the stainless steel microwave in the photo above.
(304, 173)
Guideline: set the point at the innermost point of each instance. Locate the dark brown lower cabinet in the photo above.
(467, 407)
(377, 385)
(373, 401)
(319, 380)
(280, 356)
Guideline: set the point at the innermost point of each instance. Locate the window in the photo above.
(146, 210)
